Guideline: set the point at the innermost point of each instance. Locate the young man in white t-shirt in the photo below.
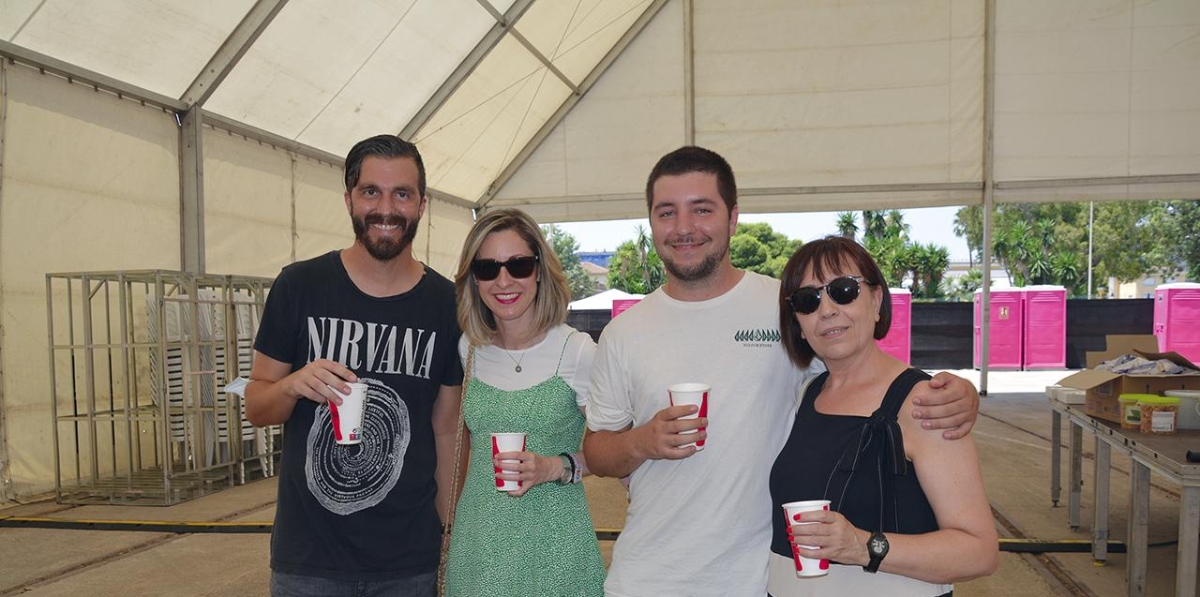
(699, 521)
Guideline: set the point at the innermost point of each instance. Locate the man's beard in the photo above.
(696, 272)
(384, 249)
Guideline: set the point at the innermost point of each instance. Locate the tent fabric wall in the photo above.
(90, 182)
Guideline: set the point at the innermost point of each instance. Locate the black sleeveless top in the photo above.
(857, 463)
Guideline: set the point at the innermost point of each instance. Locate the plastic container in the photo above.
(1131, 414)
(1188, 417)
(1158, 413)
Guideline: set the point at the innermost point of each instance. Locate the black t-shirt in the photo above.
(366, 511)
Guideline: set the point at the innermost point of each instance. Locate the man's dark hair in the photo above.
(695, 159)
(384, 146)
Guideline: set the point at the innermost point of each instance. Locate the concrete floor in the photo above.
(1013, 433)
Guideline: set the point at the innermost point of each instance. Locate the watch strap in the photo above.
(877, 549)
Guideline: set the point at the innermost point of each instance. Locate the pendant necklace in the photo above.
(516, 362)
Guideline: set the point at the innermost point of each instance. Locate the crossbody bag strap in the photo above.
(468, 370)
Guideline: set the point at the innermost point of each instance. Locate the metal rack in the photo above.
(138, 363)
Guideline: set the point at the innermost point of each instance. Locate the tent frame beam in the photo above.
(231, 51)
(565, 108)
(94, 79)
(435, 102)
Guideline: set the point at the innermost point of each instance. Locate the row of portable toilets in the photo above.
(1028, 326)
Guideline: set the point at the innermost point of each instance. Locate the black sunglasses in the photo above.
(486, 270)
(843, 291)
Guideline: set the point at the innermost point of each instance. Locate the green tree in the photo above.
(567, 249)
(635, 267)
(1046, 243)
(747, 252)
(1177, 224)
(759, 248)
(847, 224)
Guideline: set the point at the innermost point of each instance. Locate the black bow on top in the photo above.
(880, 443)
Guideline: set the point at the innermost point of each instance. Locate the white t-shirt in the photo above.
(497, 367)
(702, 525)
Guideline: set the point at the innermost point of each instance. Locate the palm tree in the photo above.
(847, 224)
(873, 224)
(894, 224)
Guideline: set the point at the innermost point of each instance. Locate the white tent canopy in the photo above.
(208, 136)
(603, 300)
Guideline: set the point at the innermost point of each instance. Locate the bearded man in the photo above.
(362, 519)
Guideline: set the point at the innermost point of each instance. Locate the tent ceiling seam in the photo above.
(565, 108)
(29, 18)
(333, 96)
(468, 65)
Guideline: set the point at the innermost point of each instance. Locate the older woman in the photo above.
(908, 513)
(529, 372)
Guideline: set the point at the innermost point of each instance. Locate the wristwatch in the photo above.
(568, 472)
(571, 474)
(877, 548)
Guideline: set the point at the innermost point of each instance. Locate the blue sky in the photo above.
(931, 224)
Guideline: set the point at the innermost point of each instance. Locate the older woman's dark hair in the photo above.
(827, 257)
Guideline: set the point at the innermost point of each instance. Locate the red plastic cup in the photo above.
(507, 442)
(806, 567)
(347, 419)
(691, 393)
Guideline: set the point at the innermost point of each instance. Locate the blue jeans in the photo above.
(294, 585)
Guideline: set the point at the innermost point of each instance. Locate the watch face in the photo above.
(878, 545)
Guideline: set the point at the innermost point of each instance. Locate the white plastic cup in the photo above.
(348, 418)
(691, 393)
(507, 442)
(806, 567)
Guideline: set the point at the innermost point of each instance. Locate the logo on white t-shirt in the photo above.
(759, 338)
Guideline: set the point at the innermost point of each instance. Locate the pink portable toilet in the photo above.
(898, 341)
(1177, 319)
(1045, 327)
(1004, 330)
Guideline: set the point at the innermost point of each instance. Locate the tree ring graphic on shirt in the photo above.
(349, 478)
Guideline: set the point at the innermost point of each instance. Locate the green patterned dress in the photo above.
(542, 543)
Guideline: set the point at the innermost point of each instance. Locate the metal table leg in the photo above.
(1076, 475)
(1139, 528)
(1100, 522)
(1055, 456)
(1189, 541)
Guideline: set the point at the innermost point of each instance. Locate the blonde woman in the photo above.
(530, 374)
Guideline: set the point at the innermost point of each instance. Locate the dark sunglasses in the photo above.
(486, 270)
(843, 291)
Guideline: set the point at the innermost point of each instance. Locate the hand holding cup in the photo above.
(695, 394)
(668, 435)
(347, 414)
(808, 563)
(503, 443)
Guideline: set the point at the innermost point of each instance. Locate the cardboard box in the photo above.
(1103, 387)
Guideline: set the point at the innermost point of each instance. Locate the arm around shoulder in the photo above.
(966, 545)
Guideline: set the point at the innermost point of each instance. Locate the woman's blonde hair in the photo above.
(553, 293)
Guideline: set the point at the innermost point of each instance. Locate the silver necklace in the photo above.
(516, 362)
